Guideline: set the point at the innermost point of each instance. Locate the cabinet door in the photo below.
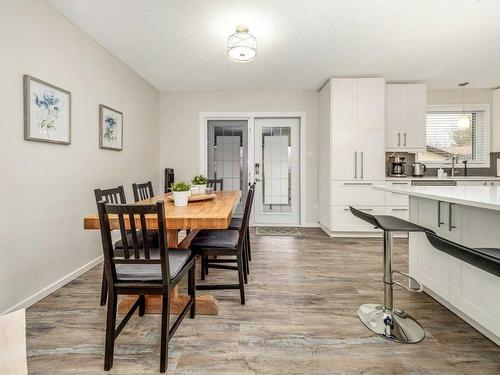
(345, 129)
(393, 116)
(371, 121)
(413, 116)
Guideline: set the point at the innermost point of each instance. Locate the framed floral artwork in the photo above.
(110, 128)
(47, 112)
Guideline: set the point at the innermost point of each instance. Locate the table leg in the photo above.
(205, 304)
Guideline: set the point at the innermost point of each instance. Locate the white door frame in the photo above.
(250, 116)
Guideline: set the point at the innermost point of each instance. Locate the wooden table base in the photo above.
(205, 304)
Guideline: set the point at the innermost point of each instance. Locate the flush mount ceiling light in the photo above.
(464, 121)
(242, 46)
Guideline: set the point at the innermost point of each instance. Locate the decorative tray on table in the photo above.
(195, 198)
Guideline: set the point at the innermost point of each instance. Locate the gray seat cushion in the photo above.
(217, 238)
(235, 223)
(152, 240)
(152, 272)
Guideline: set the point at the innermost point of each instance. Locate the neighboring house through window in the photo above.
(445, 138)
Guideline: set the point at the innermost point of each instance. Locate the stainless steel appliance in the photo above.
(398, 168)
(419, 169)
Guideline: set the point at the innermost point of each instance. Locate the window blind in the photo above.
(444, 138)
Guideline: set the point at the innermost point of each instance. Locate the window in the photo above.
(445, 138)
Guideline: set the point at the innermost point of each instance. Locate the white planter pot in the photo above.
(194, 190)
(202, 189)
(181, 198)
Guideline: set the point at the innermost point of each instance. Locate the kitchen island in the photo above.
(468, 215)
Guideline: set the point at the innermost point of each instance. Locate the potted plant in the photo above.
(200, 182)
(180, 190)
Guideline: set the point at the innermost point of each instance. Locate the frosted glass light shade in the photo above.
(464, 122)
(242, 46)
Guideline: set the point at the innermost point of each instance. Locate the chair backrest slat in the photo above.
(133, 234)
(144, 231)
(143, 191)
(214, 182)
(127, 215)
(123, 233)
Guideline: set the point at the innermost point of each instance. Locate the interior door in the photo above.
(228, 155)
(277, 171)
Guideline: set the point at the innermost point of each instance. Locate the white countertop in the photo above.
(477, 196)
(456, 178)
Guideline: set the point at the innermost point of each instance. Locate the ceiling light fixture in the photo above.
(242, 46)
(464, 121)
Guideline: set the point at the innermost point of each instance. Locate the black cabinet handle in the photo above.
(450, 217)
(439, 214)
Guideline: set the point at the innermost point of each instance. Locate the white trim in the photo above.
(250, 116)
(54, 286)
(456, 108)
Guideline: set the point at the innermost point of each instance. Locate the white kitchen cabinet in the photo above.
(371, 126)
(345, 129)
(406, 114)
(351, 146)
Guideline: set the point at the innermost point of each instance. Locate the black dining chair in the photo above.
(143, 271)
(236, 223)
(216, 184)
(169, 179)
(117, 196)
(221, 242)
(142, 191)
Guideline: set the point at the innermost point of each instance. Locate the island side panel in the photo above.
(470, 292)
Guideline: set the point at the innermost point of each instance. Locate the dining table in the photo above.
(214, 213)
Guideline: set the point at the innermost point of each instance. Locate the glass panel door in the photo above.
(227, 155)
(277, 172)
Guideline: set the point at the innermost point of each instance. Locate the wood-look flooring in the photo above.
(300, 318)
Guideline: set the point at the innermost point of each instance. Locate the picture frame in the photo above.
(47, 112)
(110, 128)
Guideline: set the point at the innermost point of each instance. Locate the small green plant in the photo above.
(180, 186)
(199, 180)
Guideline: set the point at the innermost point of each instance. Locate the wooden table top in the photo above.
(210, 214)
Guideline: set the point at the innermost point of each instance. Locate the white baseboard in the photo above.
(54, 286)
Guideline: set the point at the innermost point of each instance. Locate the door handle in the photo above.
(362, 165)
(358, 183)
(439, 214)
(450, 217)
(257, 179)
(399, 139)
(355, 165)
(404, 137)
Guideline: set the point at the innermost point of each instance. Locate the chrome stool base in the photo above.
(394, 325)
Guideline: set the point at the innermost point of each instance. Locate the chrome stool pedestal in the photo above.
(385, 320)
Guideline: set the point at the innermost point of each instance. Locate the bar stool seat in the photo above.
(487, 259)
(384, 319)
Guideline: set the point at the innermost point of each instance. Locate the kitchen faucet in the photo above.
(454, 159)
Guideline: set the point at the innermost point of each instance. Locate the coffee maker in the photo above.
(397, 165)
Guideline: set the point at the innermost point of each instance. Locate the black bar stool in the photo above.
(386, 320)
(487, 259)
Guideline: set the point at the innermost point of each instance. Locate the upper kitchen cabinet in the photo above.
(357, 128)
(405, 117)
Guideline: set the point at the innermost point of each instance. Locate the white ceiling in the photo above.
(180, 45)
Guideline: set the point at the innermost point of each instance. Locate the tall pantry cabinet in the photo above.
(351, 152)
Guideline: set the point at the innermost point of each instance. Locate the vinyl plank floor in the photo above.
(300, 318)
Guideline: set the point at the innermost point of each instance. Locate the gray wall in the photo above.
(47, 189)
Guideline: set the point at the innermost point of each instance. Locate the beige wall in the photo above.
(46, 189)
(179, 127)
